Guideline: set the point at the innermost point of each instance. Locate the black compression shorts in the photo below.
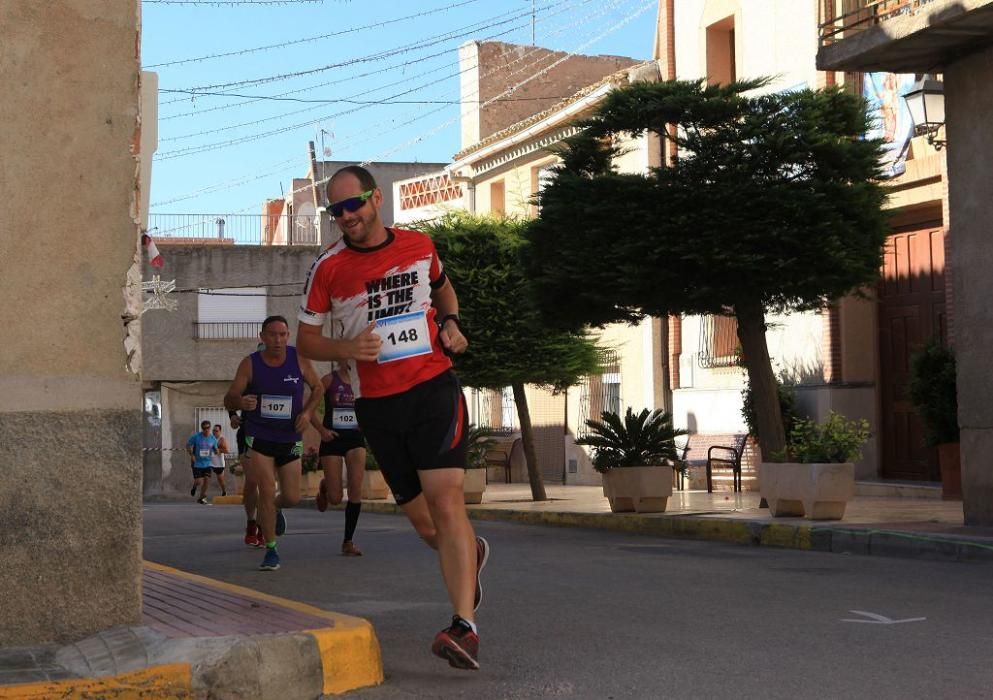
(422, 428)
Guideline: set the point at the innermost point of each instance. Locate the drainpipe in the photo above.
(470, 186)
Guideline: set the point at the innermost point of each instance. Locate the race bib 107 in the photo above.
(278, 407)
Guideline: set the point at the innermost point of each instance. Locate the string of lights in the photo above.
(390, 68)
(192, 150)
(415, 116)
(309, 39)
(462, 32)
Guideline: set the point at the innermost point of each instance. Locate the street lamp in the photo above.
(926, 102)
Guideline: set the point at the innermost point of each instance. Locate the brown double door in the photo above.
(911, 310)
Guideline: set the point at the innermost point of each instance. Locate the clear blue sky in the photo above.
(349, 67)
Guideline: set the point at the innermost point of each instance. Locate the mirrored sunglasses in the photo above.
(351, 204)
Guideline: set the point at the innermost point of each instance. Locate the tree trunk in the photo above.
(765, 394)
(527, 438)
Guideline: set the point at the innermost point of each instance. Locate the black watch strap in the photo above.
(450, 317)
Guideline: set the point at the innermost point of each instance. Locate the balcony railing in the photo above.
(230, 229)
(843, 18)
(226, 330)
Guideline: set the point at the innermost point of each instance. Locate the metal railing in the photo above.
(226, 330)
(858, 15)
(240, 229)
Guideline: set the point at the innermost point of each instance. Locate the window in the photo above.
(508, 409)
(540, 178)
(230, 313)
(718, 342)
(600, 392)
(498, 198)
(721, 59)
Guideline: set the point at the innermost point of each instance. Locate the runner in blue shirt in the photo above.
(202, 447)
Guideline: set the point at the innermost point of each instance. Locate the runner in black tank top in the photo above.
(341, 441)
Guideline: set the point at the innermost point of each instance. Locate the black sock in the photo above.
(352, 511)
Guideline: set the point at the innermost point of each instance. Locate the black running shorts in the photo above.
(346, 441)
(281, 452)
(201, 473)
(422, 428)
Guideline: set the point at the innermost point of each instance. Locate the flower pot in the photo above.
(816, 491)
(639, 489)
(474, 485)
(374, 486)
(950, 463)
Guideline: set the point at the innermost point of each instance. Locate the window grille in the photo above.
(600, 392)
(718, 342)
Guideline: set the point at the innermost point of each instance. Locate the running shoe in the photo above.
(348, 549)
(193, 491)
(202, 501)
(271, 560)
(322, 497)
(280, 523)
(252, 535)
(458, 645)
(482, 555)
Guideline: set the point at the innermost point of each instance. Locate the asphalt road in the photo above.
(571, 613)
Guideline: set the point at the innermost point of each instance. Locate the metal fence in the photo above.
(226, 330)
(241, 229)
(843, 18)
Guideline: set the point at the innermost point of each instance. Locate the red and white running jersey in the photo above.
(390, 284)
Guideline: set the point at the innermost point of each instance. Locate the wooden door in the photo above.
(911, 310)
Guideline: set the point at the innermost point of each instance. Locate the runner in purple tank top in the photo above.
(341, 440)
(268, 389)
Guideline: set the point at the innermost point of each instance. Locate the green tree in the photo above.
(509, 343)
(774, 204)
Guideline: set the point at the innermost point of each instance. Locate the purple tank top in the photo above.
(339, 400)
(280, 399)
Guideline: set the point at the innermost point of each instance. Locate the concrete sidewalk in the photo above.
(873, 525)
(204, 638)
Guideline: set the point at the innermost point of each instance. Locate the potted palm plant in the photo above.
(479, 440)
(374, 486)
(935, 398)
(635, 456)
(817, 478)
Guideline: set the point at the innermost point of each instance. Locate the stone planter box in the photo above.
(638, 489)
(310, 483)
(816, 491)
(374, 486)
(475, 484)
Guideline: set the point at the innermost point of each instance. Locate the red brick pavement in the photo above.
(181, 606)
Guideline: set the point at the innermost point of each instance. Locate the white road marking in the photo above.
(877, 619)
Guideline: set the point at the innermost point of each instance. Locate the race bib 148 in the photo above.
(403, 336)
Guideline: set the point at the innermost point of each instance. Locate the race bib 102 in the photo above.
(403, 336)
(279, 407)
(344, 419)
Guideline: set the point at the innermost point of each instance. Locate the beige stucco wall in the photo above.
(772, 38)
(488, 69)
(968, 103)
(70, 409)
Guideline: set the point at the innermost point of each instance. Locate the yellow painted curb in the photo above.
(348, 646)
(232, 500)
(167, 682)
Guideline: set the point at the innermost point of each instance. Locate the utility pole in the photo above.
(532, 22)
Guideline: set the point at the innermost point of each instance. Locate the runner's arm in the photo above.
(446, 303)
(315, 420)
(316, 394)
(313, 345)
(233, 400)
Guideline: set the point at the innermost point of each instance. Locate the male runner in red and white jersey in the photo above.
(394, 315)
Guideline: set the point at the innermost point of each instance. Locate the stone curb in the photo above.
(803, 535)
(141, 662)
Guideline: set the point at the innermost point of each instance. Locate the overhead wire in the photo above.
(310, 39)
(419, 114)
(201, 148)
(461, 32)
